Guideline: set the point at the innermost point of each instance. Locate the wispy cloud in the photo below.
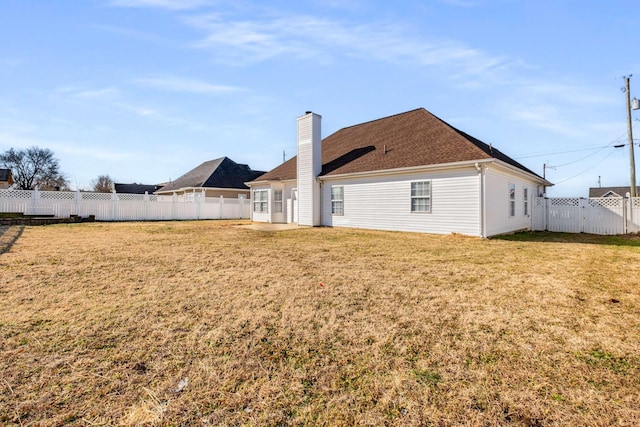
(75, 92)
(9, 62)
(181, 84)
(162, 4)
(246, 41)
(136, 34)
(115, 99)
(27, 138)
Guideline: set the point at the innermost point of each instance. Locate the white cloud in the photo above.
(248, 41)
(181, 84)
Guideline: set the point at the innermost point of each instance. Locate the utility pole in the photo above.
(631, 157)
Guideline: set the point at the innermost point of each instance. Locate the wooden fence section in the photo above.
(605, 215)
(122, 207)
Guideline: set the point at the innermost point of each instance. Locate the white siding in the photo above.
(384, 203)
(497, 201)
(309, 167)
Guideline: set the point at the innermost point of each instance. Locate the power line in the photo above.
(586, 170)
(618, 139)
(562, 152)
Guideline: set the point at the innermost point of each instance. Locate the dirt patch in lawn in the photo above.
(204, 323)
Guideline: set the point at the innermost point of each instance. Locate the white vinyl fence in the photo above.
(122, 207)
(604, 215)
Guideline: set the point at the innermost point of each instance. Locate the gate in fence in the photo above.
(603, 215)
(122, 207)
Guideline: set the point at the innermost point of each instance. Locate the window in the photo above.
(525, 194)
(260, 198)
(512, 199)
(277, 201)
(337, 200)
(421, 196)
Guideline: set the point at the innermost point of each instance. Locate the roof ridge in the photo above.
(384, 118)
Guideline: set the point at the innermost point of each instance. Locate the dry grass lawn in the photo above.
(204, 323)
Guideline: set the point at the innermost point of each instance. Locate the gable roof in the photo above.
(136, 188)
(609, 191)
(218, 173)
(411, 139)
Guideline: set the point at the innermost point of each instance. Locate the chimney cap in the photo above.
(308, 112)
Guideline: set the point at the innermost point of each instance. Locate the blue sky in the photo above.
(145, 90)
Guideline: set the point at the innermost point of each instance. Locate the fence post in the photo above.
(114, 205)
(77, 203)
(146, 205)
(174, 200)
(34, 201)
(628, 215)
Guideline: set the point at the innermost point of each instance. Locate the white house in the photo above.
(407, 172)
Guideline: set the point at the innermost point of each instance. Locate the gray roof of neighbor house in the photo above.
(5, 174)
(602, 191)
(218, 173)
(136, 188)
(411, 139)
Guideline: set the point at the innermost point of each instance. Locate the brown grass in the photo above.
(203, 323)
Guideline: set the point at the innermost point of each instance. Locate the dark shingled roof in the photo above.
(414, 138)
(136, 188)
(601, 191)
(218, 173)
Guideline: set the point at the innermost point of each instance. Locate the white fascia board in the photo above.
(441, 166)
(515, 169)
(269, 182)
(186, 189)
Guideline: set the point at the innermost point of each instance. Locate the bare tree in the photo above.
(34, 167)
(103, 184)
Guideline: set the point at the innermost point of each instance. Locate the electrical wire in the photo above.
(586, 170)
(600, 148)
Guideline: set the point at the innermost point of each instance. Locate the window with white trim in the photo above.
(512, 199)
(525, 206)
(277, 201)
(260, 201)
(337, 200)
(421, 196)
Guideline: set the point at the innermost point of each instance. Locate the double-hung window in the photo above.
(277, 201)
(421, 196)
(512, 200)
(260, 201)
(525, 195)
(337, 200)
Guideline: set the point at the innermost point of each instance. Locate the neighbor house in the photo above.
(407, 172)
(219, 177)
(610, 191)
(136, 188)
(6, 179)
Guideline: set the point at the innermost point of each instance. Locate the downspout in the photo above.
(481, 176)
(320, 204)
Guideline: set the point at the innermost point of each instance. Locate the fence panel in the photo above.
(121, 207)
(604, 215)
(564, 215)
